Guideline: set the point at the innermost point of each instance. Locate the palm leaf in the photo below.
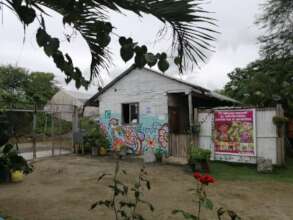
(192, 27)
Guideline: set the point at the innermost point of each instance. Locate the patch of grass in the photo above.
(230, 171)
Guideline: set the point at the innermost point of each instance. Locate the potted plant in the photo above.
(199, 159)
(97, 141)
(280, 121)
(159, 153)
(12, 165)
(104, 145)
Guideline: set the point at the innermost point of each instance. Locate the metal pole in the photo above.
(52, 134)
(34, 133)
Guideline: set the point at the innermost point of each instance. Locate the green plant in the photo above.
(11, 161)
(95, 138)
(122, 204)
(202, 201)
(198, 154)
(199, 159)
(159, 153)
(192, 32)
(279, 121)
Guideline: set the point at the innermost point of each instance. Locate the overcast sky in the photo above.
(236, 46)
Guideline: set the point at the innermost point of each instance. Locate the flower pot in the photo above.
(159, 158)
(103, 151)
(17, 176)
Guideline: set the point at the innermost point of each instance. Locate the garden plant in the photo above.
(123, 203)
(202, 200)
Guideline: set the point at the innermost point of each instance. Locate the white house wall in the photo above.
(150, 91)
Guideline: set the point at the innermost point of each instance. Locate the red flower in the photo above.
(197, 175)
(206, 179)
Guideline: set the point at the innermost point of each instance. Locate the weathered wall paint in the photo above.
(151, 132)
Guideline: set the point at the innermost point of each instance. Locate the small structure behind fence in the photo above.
(43, 132)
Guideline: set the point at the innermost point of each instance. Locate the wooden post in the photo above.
(280, 139)
(52, 134)
(34, 133)
(74, 127)
(190, 110)
(191, 123)
(195, 118)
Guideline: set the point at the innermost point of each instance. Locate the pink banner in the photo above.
(234, 132)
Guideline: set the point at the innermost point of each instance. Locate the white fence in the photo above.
(268, 144)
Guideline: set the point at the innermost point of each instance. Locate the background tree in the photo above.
(12, 81)
(40, 88)
(263, 83)
(190, 24)
(277, 21)
(19, 87)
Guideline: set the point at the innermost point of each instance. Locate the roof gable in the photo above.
(196, 88)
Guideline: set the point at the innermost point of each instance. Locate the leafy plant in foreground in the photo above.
(191, 27)
(123, 206)
(199, 159)
(202, 200)
(10, 161)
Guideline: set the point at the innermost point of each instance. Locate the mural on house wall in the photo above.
(151, 132)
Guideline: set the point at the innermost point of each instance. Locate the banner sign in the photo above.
(235, 132)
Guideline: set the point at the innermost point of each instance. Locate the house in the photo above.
(64, 102)
(142, 108)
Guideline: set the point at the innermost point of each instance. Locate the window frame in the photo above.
(129, 113)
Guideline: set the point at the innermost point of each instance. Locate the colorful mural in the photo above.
(151, 133)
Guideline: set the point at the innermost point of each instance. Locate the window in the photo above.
(130, 113)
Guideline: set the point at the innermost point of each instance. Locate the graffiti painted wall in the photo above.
(150, 133)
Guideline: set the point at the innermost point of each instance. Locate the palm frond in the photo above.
(193, 28)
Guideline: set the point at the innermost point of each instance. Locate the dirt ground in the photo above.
(63, 188)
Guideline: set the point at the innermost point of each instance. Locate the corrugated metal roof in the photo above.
(197, 88)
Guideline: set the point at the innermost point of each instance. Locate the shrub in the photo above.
(201, 200)
(159, 153)
(199, 159)
(280, 120)
(95, 138)
(11, 161)
(125, 199)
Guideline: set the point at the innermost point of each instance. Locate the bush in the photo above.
(199, 159)
(280, 120)
(10, 161)
(95, 138)
(159, 153)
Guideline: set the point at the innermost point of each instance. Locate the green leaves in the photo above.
(27, 14)
(191, 26)
(151, 59)
(186, 215)
(142, 56)
(263, 83)
(127, 48)
(51, 47)
(163, 64)
(207, 203)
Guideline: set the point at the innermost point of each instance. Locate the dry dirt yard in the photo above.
(63, 188)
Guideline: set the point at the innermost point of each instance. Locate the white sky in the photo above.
(236, 46)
